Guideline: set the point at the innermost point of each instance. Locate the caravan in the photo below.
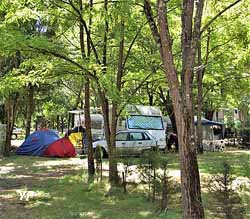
(97, 123)
(149, 118)
(134, 117)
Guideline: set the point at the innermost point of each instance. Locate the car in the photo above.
(129, 142)
(16, 132)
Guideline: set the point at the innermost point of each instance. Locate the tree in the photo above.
(182, 92)
(108, 40)
(203, 62)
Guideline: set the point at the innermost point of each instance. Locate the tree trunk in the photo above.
(182, 95)
(11, 104)
(168, 105)
(110, 138)
(199, 102)
(91, 164)
(57, 122)
(30, 106)
(209, 114)
(62, 124)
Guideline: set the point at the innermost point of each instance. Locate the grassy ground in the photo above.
(58, 188)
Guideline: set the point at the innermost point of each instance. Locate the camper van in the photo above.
(97, 123)
(149, 118)
(134, 117)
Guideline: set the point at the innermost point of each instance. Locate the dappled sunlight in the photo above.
(61, 162)
(238, 152)
(51, 183)
(90, 214)
(6, 169)
(144, 213)
(7, 196)
(20, 176)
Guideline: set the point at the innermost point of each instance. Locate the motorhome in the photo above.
(147, 118)
(97, 123)
(134, 117)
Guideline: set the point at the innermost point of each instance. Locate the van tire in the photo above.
(13, 136)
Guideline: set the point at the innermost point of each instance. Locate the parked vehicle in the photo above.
(97, 123)
(134, 117)
(129, 142)
(147, 118)
(16, 132)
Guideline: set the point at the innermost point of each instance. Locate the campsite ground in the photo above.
(37, 187)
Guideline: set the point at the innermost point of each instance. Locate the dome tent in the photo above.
(42, 141)
(60, 148)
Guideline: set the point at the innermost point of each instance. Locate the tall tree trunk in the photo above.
(110, 138)
(182, 95)
(114, 114)
(91, 164)
(109, 121)
(29, 112)
(200, 74)
(11, 105)
(199, 102)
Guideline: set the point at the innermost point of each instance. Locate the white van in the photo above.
(149, 118)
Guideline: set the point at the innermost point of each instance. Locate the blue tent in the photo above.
(37, 142)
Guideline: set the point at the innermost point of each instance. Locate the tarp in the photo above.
(37, 142)
(60, 148)
(209, 122)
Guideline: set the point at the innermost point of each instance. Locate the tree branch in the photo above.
(134, 91)
(149, 15)
(58, 55)
(218, 15)
(231, 77)
(87, 31)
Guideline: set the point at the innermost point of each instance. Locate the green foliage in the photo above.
(222, 188)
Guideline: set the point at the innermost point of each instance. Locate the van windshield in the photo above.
(145, 122)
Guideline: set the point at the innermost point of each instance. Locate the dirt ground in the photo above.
(23, 173)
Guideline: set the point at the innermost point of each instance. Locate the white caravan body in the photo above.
(97, 123)
(147, 118)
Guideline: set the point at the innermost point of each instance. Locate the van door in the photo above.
(139, 141)
(122, 143)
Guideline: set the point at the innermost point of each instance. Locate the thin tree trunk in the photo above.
(91, 164)
(110, 127)
(200, 74)
(113, 172)
(168, 105)
(57, 122)
(62, 124)
(30, 106)
(11, 104)
(199, 103)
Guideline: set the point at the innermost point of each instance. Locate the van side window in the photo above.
(122, 137)
(136, 136)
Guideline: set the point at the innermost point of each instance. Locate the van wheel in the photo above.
(14, 136)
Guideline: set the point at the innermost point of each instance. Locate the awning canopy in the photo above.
(209, 122)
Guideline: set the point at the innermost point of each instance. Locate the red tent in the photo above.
(60, 148)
